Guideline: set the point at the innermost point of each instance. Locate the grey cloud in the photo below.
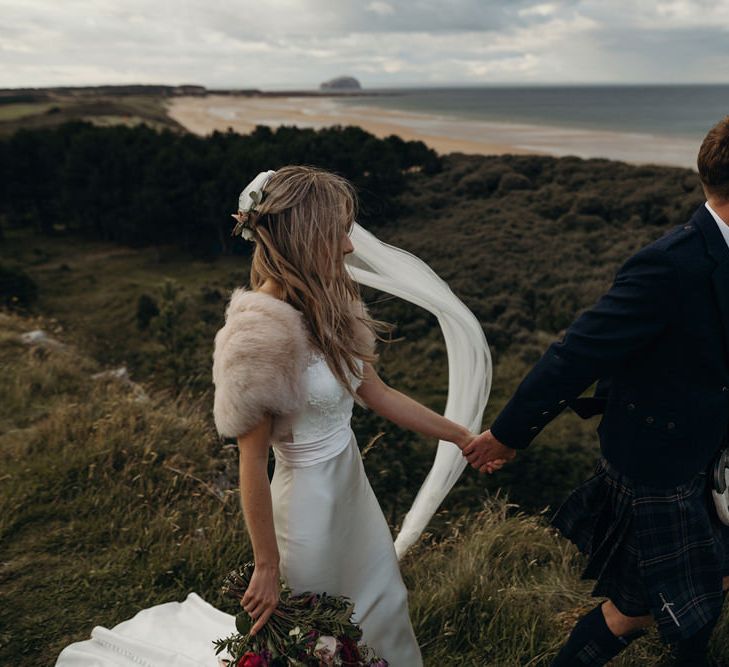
(333, 17)
(677, 55)
(383, 42)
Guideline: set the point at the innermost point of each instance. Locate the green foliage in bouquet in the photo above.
(308, 630)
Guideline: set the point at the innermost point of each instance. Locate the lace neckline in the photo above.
(316, 357)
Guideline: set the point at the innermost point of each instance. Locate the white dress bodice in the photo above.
(321, 429)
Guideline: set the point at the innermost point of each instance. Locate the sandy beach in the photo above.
(445, 134)
(202, 115)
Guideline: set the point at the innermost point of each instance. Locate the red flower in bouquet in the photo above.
(252, 660)
(349, 652)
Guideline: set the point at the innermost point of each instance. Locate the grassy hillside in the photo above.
(526, 242)
(50, 108)
(93, 290)
(112, 504)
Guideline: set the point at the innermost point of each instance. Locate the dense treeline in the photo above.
(139, 187)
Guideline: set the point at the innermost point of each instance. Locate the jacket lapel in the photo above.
(719, 251)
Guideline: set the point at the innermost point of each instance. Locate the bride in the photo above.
(294, 355)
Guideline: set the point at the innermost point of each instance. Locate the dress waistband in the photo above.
(303, 453)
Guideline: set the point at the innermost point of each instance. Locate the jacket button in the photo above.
(534, 428)
(631, 406)
(670, 426)
(649, 420)
(545, 413)
(562, 402)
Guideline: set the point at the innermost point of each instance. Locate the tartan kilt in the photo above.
(657, 551)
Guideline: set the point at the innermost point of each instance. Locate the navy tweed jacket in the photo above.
(658, 344)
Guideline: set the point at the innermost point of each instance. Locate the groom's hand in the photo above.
(486, 454)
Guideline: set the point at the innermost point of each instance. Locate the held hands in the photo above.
(261, 597)
(486, 454)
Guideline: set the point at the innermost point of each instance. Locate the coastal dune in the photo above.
(444, 133)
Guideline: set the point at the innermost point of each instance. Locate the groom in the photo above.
(657, 344)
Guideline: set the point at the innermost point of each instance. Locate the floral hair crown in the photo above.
(251, 197)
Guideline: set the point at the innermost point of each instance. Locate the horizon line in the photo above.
(278, 88)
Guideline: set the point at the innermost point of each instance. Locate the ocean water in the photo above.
(663, 124)
(683, 111)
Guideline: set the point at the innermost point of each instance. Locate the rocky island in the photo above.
(344, 83)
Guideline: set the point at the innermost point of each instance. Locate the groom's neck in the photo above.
(721, 206)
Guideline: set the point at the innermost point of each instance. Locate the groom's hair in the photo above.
(713, 160)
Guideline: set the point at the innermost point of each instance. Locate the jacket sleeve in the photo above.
(628, 317)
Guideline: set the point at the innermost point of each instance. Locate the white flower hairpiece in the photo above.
(251, 196)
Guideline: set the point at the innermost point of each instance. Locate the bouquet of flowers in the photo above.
(306, 630)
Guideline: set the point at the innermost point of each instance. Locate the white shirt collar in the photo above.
(723, 226)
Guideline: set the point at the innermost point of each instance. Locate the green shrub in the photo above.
(514, 181)
(17, 288)
(147, 309)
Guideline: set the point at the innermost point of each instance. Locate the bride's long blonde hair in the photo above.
(300, 227)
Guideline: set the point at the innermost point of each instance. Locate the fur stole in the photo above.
(259, 359)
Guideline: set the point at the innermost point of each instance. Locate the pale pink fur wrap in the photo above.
(259, 359)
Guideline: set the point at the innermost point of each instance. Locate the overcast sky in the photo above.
(273, 44)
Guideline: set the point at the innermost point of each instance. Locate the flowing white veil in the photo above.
(397, 272)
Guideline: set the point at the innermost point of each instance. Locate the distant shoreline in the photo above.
(46, 92)
(515, 122)
(204, 114)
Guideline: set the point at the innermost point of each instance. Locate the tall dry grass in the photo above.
(111, 504)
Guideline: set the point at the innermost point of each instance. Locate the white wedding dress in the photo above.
(332, 538)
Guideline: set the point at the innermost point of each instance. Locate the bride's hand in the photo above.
(486, 454)
(467, 439)
(261, 598)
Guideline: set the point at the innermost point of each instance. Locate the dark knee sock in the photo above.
(693, 652)
(592, 643)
